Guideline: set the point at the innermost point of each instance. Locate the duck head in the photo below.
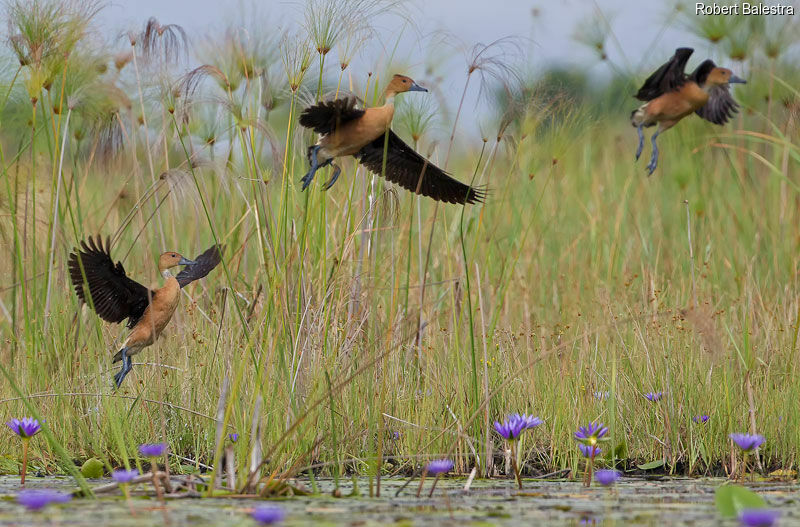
(722, 76)
(401, 84)
(170, 259)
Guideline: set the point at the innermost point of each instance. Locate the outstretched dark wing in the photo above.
(114, 296)
(720, 106)
(327, 116)
(205, 263)
(669, 77)
(415, 173)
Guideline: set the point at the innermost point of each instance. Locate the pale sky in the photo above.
(637, 24)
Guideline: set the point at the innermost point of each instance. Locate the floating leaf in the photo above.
(731, 500)
(652, 465)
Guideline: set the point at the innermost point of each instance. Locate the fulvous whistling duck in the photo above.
(116, 297)
(346, 130)
(670, 95)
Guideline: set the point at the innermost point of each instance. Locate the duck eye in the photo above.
(405, 81)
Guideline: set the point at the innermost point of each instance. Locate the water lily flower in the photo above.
(591, 434)
(123, 476)
(588, 437)
(37, 499)
(510, 429)
(589, 450)
(26, 427)
(654, 396)
(153, 449)
(759, 517)
(268, 515)
(700, 419)
(607, 477)
(528, 421)
(439, 466)
(747, 442)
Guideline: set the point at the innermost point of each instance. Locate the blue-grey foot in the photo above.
(641, 142)
(123, 372)
(309, 177)
(654, 157)
(336, 171)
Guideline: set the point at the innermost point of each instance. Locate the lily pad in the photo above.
(731, 500)
(652, 465)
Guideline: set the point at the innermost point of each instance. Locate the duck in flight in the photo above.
(347, 130)
(115, 297)
(670, 95)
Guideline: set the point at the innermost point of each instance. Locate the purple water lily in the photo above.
(37, 499)
(747, 442)
(510, 429)
(591, 434)
(586, 450)
(654, 397)
(268, 515)
(607, 477)
(153, 449)
(759, 517)
(700, 419)
(440, 466)
(124, 476)
(528, 421)
(26, 427)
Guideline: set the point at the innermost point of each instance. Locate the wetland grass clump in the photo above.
(365, 331)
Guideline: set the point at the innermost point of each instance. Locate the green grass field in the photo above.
(366, 329)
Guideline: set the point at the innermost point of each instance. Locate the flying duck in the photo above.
(115, 297)
(347, 130)
(670, 95)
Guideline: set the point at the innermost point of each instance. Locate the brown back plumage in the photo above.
(113, 295)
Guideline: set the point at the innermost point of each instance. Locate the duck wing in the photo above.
(413, 172)
(114, 296)
(326, 116)
(669, 77)
(204, 264)
(720, 106)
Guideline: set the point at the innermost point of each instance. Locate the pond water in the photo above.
(664, 501)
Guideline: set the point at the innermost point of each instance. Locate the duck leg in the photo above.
(640, 130)
(126, 367)
(654, 157)
(312, 157)
(336, 171)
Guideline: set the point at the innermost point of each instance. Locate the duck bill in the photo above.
(416, 87)
(186, 261)
(736, 80)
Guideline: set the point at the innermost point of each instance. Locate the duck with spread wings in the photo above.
(348, 130)
(670, 95)
(105, 286)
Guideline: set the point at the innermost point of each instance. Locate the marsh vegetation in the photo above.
(365, 330)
